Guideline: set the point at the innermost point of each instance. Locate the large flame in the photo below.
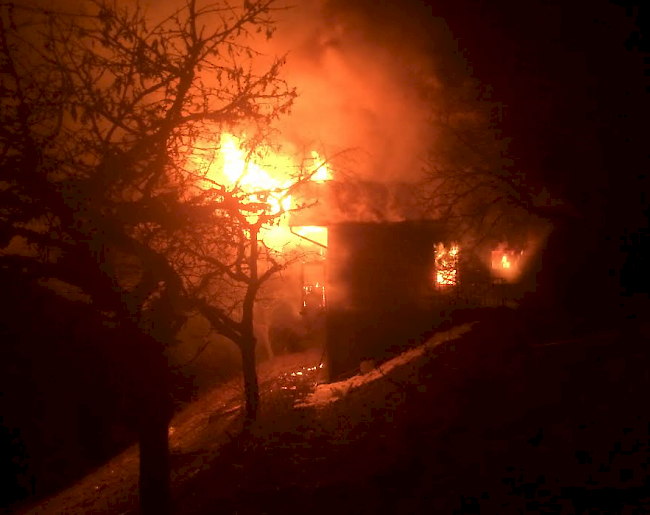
(267, 176)
(252, 177)
(322, 172)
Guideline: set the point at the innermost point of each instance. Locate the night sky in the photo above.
(573, 80)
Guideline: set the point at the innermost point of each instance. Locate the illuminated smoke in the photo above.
(366, 76)
(357, 92)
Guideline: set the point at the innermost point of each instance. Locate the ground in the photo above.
(485, 422)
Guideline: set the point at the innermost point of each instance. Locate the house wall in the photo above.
(379, 290)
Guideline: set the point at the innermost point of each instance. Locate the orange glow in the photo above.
(266, 176)
(446, 262)
(507, 263)
(251, 176)
(315, 233)
(322, 172)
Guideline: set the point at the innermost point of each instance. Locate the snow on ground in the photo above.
(332, 392)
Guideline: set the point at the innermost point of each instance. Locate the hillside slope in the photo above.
(484, 422)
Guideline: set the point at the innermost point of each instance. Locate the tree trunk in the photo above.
(248, 340)
(152, 408)
(261, 328)
(251, 386)
(154, 469)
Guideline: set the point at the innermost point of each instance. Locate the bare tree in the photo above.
(100, 110)
(225, 269)
(470, 180)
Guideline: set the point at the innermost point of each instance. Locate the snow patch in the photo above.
(332, 392)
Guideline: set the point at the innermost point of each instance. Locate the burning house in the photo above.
(378, 273)
(383, 283)
(380, 288)
(378, 280)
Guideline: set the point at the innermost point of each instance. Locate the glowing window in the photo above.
(446, 264)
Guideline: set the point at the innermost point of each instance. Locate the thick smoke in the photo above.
(367, 75)
(364, 88)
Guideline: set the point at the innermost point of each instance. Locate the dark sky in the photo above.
(574, 90)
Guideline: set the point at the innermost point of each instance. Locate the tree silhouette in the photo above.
(225, 269)
(475, 185)
(101, 110)
(470, 180)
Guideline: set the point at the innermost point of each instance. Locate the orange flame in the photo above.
(267, 176)
(446, 262)
(250, 175)
(322, 173)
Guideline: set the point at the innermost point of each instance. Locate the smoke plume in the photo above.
(365, 79)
